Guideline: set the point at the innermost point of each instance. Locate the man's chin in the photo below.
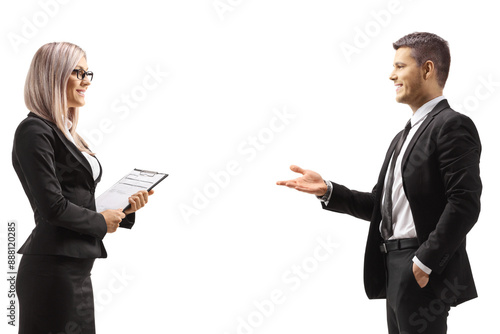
(400, 99)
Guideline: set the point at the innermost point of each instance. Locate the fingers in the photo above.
(113, 216)
(138, 200)
(420, 276)
(297, 169)
(301, 186)
(121, 214)
(117, 217)
(291, 183)
(423, 283)
(143, 196)
(113, 219)
(117, 220)
(295, 185)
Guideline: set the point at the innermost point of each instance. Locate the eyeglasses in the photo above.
(81, 74)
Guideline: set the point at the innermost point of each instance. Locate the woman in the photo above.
(59, 174)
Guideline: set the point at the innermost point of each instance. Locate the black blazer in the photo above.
(58, 181)
(440, 170)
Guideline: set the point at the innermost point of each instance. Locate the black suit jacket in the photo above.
(440, 170)
(58, 181)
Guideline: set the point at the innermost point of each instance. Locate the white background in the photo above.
(227, 72)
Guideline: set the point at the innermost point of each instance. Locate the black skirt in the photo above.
(55, 295)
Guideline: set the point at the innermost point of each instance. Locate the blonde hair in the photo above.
(46, 82)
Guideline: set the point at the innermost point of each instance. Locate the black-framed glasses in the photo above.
(81, 74)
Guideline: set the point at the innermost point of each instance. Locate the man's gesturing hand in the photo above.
(311, 182)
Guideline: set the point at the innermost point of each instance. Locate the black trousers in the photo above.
(411, 309)
(55, 295)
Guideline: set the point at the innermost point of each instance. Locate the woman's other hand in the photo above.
(138, 200)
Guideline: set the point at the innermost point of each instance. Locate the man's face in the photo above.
(408, 79)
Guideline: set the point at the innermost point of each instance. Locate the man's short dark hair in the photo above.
(426, 46)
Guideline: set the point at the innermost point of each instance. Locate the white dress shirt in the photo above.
(94, 164)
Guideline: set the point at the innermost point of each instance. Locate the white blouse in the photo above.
(94, 164)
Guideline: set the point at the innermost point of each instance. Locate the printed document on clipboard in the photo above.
(117, 196)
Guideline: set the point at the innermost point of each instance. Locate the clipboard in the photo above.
(117, 196)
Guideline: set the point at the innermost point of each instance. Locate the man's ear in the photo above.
(428, 69)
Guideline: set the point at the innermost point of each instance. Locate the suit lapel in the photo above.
(383, 172)
(387, 159)
(430, 117)
(100, 170)
(70, 146)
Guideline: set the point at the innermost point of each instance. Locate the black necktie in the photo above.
(386, 229)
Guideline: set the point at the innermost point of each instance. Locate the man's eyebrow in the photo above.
(399, 63)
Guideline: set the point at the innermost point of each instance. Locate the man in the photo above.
(426, 200)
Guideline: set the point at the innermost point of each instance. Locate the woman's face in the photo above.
(76, 88)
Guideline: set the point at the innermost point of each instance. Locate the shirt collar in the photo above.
(425, 109)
